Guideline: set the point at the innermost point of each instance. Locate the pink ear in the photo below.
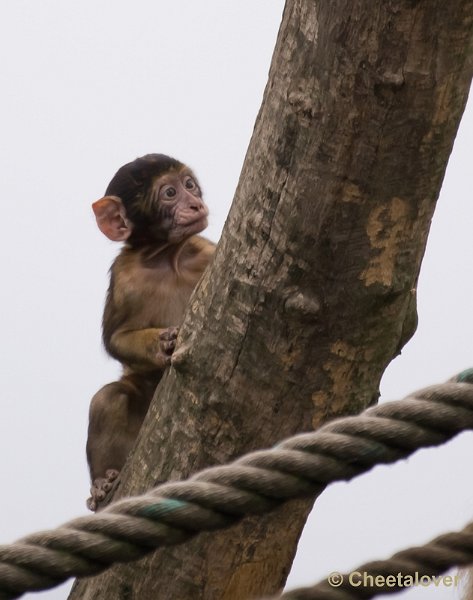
(111, 218)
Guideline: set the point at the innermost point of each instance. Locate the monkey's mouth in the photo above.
(199, 224)
(199, 221)
(186, 228)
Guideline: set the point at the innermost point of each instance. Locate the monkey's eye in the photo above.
(169, 193)
(190, 183)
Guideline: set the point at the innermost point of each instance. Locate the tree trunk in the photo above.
(312, 291)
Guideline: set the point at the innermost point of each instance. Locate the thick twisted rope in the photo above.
(419, 563)
(219, 496)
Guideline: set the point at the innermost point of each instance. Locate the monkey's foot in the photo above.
(100, 488)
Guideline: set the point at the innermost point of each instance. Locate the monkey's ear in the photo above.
(111, 218)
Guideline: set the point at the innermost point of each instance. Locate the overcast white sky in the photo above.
(89, 86)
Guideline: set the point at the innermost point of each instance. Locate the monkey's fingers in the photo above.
(169, 334)
(167, 341)
(168, 347)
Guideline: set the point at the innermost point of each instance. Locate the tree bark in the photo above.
(312, 291)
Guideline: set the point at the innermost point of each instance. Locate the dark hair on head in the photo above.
(131, 181)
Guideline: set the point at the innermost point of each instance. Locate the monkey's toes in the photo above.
(100, 488)
(111, 474)
(91, 504)
(107, 481)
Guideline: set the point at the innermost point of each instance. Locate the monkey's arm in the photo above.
(145, 348)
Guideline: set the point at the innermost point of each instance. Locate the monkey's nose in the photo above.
(197, 206)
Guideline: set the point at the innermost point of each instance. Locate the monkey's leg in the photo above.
(116, 414)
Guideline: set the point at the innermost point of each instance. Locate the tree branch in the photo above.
(311, 293)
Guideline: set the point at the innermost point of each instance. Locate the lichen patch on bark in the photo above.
(385, 229)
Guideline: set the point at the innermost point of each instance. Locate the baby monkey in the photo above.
(154, 205)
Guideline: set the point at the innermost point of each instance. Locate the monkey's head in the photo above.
(153, 199)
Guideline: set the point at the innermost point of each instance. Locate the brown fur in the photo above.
(149, 293)
(151, 282)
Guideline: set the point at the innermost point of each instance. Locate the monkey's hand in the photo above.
(167, 343)
(100, 488)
